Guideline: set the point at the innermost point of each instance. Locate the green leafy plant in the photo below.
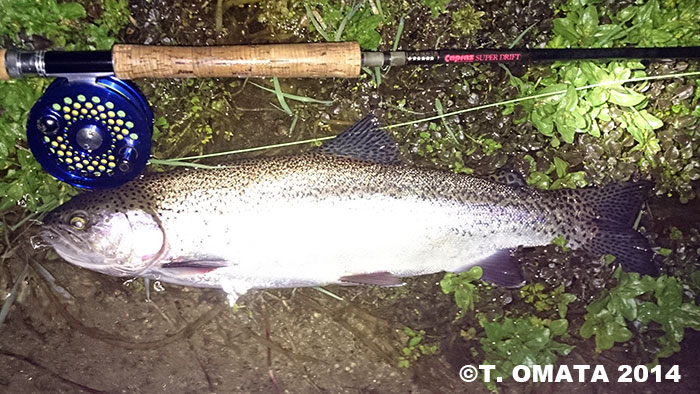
(543, 300)
(521, 341)
(562, 116)
(561, 242)
(437, 7)
(463, 286)
(642, 298)
(669, 311)
(102, 33)
(414, 349)
(63, 24)
(558, 170)
(48, 18)
(340, 22)
(589, 103)
(465, 21)
(649, 24)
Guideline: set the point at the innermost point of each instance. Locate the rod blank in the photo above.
(314, 60)
(379, 59)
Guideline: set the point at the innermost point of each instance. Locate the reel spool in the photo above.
(93, 133)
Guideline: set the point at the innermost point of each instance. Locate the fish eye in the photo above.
(78, 221)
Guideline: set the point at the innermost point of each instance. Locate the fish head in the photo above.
(95, 231)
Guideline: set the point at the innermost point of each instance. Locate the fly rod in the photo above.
(92, 127)
(315, 60)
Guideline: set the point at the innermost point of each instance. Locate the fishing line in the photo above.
(428, 119)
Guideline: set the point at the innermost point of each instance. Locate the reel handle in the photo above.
(317, 60)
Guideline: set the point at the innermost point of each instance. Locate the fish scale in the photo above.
(347, 213)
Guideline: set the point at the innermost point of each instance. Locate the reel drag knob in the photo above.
(48, 125)
(91, 133)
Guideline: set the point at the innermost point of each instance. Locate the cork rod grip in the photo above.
(319, 60)
(3, 71)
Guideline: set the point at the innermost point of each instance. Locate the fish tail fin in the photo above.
(613, 210)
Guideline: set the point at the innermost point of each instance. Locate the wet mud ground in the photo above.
(105, 337)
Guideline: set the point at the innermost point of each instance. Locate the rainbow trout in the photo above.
(346, 213)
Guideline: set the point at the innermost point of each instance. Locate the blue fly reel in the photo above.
(93, 133)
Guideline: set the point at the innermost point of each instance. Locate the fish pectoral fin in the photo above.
(382, 278)
(501, 268)
(195, 266)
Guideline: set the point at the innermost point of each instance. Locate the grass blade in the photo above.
(302, 99)
(317, 26)
(280, 96)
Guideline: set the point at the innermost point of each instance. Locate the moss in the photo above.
(465, 21)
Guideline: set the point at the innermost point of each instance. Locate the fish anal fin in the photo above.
(500, 268)
(382, 278)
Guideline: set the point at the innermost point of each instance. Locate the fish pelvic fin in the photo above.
(381, 278)
(612, 211)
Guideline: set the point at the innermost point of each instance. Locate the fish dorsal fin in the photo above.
(364, 141)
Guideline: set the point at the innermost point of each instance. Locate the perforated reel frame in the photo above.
(93, 133)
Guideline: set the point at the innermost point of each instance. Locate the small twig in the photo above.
(219, 16)
(126, 343)
(311, 382)
(193, 348)
(274, 381)
(50, 372)
(13, 295)
(341, 319)
(270, 372)
(49, 278)
(266, 342)
(328, 293)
